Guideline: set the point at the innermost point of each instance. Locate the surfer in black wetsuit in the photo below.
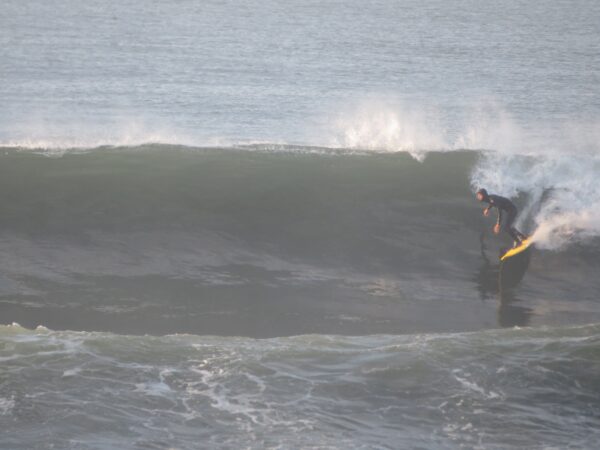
(507, 212)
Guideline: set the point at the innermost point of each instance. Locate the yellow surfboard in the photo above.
(525, 244)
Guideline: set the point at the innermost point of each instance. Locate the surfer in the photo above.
(506, 210)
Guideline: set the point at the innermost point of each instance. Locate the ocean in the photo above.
(253, 224)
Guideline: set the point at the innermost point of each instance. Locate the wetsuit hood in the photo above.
(484, 193)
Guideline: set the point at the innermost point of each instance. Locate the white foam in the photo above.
(71, 372)
(563, 193)
(473, 386)
(157, 389)
(6, 405)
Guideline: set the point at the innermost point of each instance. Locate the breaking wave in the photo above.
(521, 387)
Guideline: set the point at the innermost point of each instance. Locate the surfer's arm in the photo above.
(499, 221)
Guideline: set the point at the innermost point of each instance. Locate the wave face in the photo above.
(496, 389)
(266, 242)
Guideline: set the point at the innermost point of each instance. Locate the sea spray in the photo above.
(560, 191)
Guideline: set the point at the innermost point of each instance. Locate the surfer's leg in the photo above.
(513, 232)
(515, 235)
(521, 235)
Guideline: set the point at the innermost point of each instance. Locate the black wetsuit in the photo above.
(507, 212)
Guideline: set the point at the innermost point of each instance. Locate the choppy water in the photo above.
(251, 224)
(521, 388)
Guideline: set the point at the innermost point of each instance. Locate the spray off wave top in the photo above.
(556, 168)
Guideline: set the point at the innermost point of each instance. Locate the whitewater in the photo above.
(252, 224)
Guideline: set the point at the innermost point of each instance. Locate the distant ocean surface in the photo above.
(252, 224)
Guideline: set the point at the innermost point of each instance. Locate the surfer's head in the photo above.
(482, 195)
